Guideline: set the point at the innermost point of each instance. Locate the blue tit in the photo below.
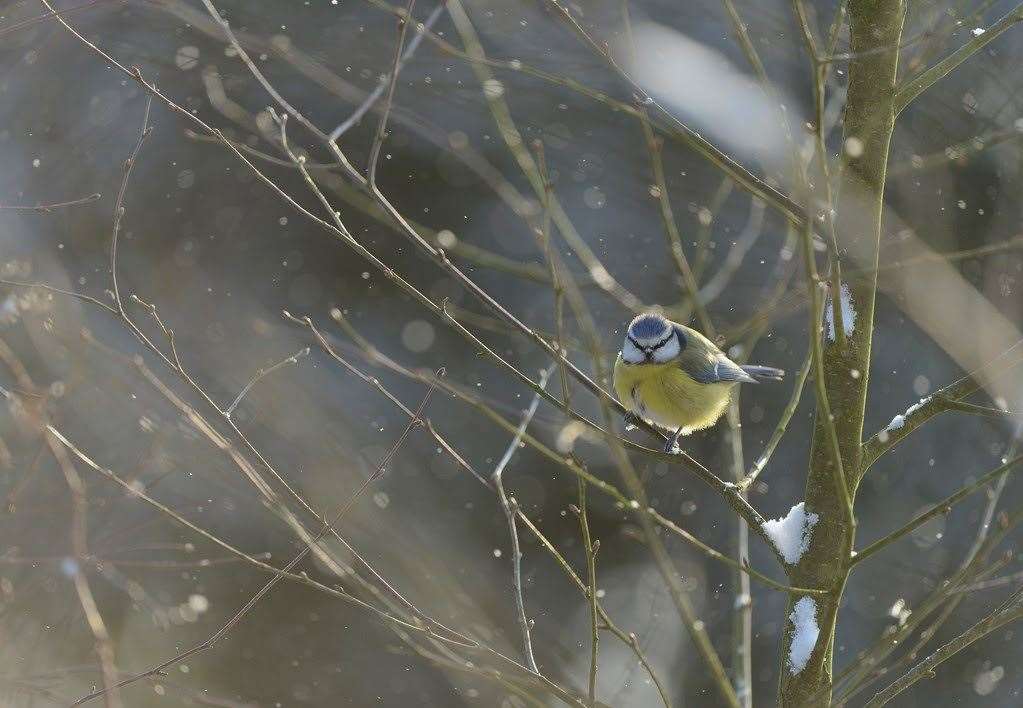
(673, 376)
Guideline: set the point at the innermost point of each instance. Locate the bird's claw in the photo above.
(631, 421)
(671, 447)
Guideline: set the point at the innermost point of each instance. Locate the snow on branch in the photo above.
(791, 533)
(848, 314)
(804, 633)
(900, 420)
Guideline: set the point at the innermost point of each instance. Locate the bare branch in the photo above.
(941, 401)
(783, 424)
(376, 93)
(392, 82)
(590, 548)
(159, 669)
(79, 542)
(1010, 611)
(510, 507)
(909, 91)
(942, 507)
(46, 208)
(263, 373)
(119, 204)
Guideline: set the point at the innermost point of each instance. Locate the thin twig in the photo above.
(376, 93)
(79, 542)
(590, 548)
(940, 401)
(1010, 611)
(45, 208)
(783, 424)
(742, 604)
(942, 507)
(263, 373)
(510, 507)
(543, 235)
(909, 91)
(119, 204)
(159, 669)
(392, 82)
(821, 157)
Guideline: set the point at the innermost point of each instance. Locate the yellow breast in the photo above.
(666, 395)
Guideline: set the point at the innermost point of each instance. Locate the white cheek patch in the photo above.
(631, 354)
(667, 351)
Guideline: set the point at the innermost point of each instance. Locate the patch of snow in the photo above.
(804, 634)
(791, 534)
(917, 406)
(848, 314)
(900, 420)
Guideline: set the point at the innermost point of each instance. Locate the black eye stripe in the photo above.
(653, 348)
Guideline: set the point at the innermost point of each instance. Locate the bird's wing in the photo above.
(718, 370)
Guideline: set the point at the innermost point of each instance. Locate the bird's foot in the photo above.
(631, 421)
(671, 447)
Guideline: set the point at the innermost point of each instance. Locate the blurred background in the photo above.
(220, 255)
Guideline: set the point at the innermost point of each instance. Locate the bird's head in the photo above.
(652, 339)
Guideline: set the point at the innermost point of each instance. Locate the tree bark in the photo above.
(869, 122)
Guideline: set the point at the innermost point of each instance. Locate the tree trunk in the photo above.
(869, 121)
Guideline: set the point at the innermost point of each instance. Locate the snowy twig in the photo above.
(945, 399)
(824, 415)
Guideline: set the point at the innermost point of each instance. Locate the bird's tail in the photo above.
(764, 373)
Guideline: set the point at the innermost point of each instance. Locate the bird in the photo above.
(674, 377)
